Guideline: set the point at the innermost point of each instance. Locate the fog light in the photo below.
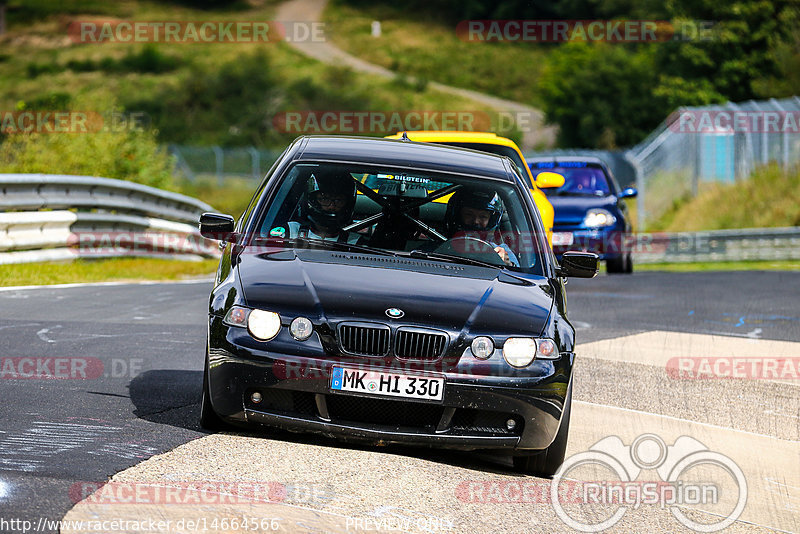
(301, 328)
(256, 397)
(482, 347)
(511, 424)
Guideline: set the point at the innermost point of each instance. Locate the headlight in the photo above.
(521, 351)
(263, 325)
(482, 347)
(598, 217)
(301, 328)
(236, 316)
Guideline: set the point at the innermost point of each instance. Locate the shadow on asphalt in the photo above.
(172, 397)
(168, 397)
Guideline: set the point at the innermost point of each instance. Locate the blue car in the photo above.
(589, 214)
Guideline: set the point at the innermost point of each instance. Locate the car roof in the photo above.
(450, 136)
(587, 159)
(389, 152)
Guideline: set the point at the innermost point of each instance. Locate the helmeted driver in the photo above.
(477, 213)
(326, 207)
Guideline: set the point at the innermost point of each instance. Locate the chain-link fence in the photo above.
(698, 145)
(222, 163)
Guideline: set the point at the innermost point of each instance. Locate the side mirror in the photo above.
(578, 264)
(549, 179)
(628, 193)
(217, 226)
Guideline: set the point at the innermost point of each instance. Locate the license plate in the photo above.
(563, 239)
(391, 384)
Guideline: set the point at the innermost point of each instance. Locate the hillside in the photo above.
(191, 93)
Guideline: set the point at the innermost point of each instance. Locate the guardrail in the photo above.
(749, 244)
(50, 217)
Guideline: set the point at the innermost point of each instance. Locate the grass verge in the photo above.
(769, 198)
(783, 265)
(106, 270)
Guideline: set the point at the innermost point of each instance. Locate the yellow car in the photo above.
(493, 143)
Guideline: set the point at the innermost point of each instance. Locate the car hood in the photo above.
(333, 287)
(572, 209)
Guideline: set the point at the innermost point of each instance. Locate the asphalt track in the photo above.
(141, 348)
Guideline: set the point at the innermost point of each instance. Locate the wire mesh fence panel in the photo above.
(198, 163)
(696, 146)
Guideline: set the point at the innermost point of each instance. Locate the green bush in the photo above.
(224, 105)
(149, 59)
(37, 69)
(131, 154)
(48, 101)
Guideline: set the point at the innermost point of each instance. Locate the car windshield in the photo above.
(500, 150)
(580, 178)
(451, 218)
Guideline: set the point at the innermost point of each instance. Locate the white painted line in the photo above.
(671, 350)
(678, 419)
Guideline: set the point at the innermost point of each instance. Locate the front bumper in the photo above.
(607, 243)
(297, 397)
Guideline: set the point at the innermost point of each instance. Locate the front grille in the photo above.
(419, 344)
(364, 340)
(383, 412)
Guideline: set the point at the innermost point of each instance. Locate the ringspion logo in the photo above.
(687, 473)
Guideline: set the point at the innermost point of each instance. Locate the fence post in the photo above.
(219, 157)
(180, 162)
(255, 159)
(784, 137)
(639, 175)
(764, 137)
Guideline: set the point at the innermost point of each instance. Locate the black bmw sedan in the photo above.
(389, 291)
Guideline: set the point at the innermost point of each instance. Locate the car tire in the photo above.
(209, 420)
(620, 265)
(545, 463)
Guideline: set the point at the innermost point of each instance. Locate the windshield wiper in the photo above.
(452, 258)
(336, 245)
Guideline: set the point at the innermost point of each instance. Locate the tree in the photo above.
(2, 17)
(601, 94)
